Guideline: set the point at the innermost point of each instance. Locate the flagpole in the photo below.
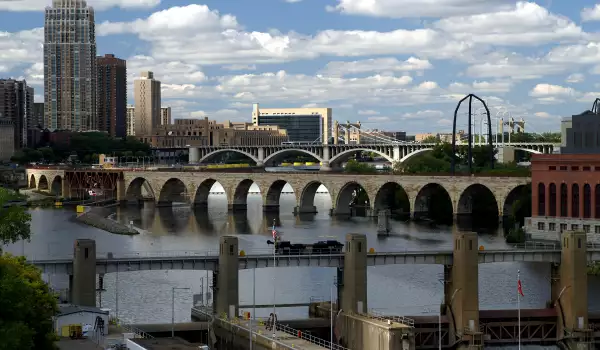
(274, 266)
(519, 304)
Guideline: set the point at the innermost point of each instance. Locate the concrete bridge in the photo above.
(166, 187)
(332, 156)
(461, 282)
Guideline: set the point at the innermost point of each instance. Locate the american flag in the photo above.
(520, 288)
(274, 232)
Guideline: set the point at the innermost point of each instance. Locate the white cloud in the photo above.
(417, 8)
(39, 5)
(367, 112)
(514, 66)
(575, 78)
(542, 114)
(525, 24)
(234, 67)
(481, 86)
(379, 119)
(591, 14)
(24, 47)
(425, 114)
(389, 64)
(549, 90)
(222, 115)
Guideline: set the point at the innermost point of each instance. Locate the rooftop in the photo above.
(165, 344)
(67, 309)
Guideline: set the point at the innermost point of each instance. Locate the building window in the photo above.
(563, 227)
(552, 226)
(597, 229)
(564, 192)
(552, 168)
(586, 228)
(575, 168)
(541, 199)
(574, 227)
(541, 226)
(575, 201)
(587, 168)
(552, 200)
(587, 201)
(563, 168)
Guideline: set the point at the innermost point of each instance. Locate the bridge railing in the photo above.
(309, 338)
(385, 318)
(535, 246)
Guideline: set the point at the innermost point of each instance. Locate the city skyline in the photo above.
(395, 66)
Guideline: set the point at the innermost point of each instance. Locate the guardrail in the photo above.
(398, 319)
(309, 338)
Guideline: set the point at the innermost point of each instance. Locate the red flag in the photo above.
(520, 288)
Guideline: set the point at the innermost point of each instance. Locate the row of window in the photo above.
(562, 199)
(573, 168)
(563, 227)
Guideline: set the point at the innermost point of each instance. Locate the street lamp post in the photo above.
(173, 309)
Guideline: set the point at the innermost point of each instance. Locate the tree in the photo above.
(14, 220)
(430, 139)
(25, 299)
(27, 307)
(355, 167)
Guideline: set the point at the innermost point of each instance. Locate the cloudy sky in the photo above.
(392, 64)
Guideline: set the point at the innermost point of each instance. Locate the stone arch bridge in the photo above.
(167, 187)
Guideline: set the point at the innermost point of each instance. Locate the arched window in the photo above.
(541, 199)
(575, 201)
(587, 201)
(597, 197)
(563, 200)
(552, 200)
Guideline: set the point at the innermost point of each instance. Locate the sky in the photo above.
(391, 64)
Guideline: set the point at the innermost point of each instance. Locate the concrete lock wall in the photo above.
(362, 332)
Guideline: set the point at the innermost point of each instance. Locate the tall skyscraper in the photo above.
(70, 66)
(130, 120)
(147, 104)
(16, 106)
(112, 95)
(165, 116)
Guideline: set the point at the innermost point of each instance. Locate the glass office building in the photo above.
(300, 128)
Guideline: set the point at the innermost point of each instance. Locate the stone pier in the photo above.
(383, 222)
(226, 293)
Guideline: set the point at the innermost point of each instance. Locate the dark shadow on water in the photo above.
(481, 224)
(203, 221)
(271, 218)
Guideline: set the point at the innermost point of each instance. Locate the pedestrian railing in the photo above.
(309, 338)
(385, 318)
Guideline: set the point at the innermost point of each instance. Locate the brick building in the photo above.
(565, 187)
(112, 95)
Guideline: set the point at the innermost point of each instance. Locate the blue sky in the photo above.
(392, 64)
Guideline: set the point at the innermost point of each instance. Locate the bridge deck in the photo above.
(204, 261)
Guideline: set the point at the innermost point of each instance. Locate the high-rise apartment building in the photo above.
(130, 120)
(16, 106)
(112, 95)
(70, 66)
(37, 118)
(165, 116)
(147, 104)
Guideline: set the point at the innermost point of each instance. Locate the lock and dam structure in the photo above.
(565, 321)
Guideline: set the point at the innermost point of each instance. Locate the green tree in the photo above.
(355, 167)
(14, 220)
(27, 306)
(25, 300)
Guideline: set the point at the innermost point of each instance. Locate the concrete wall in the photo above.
(361, 332)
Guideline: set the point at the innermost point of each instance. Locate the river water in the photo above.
(145, 297)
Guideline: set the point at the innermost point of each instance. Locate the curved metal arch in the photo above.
(274, 155)
(213, 153)
(596, 106)
(532, 151)
(470, 149)
(412, 154)
(340, 156)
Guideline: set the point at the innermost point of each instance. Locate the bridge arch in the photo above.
(32, 183)
(392, 196)
(173, 190)
(433, 202)
(479, 202)
(56, 187)
(307, 197)
(200, 197)
(532, 151)
(278, 155)
(213, 154)
(350, 195)
(138, 189)
(43, 183)
(240, 194)
(514, 198)
(414, 153)
(273, 194)
(345, 155)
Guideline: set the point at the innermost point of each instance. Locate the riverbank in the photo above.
(98, 217)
